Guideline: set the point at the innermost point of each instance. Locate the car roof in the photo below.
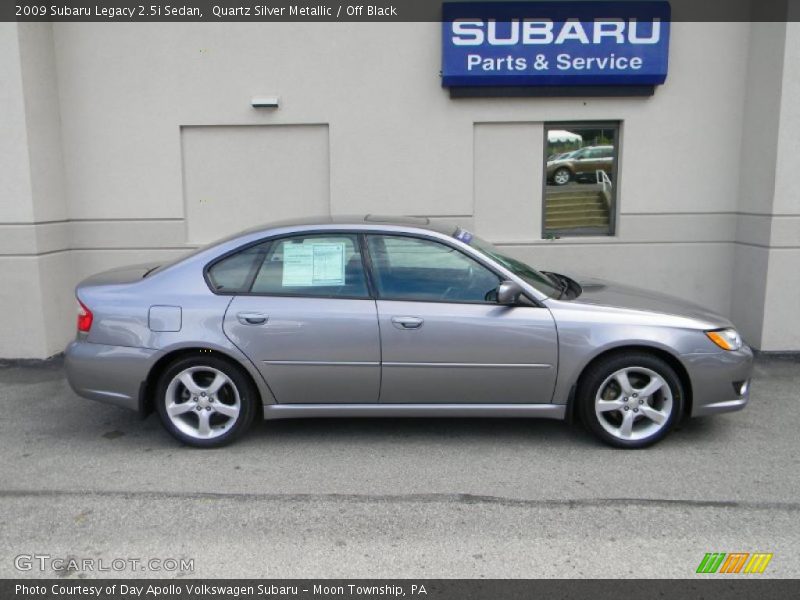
(346, 221)
(388, 224)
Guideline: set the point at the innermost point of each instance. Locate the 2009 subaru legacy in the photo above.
(394, 317)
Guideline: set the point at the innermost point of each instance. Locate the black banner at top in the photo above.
(334, 10)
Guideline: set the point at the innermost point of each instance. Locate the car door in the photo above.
(606, 160)
(588, 161)
(308, 322)
(444, 338)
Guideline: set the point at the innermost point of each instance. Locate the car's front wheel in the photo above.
(562, 176)
(630, 400)
(205, 401)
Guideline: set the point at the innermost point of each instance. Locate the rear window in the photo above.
(235, 273)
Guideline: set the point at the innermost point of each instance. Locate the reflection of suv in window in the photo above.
(580, 165)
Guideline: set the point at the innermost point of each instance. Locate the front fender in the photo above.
(583, 335)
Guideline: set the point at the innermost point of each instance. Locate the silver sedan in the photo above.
(394, 317)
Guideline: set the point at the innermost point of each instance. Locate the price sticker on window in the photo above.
(313, 264)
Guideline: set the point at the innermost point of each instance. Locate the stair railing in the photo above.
(603, 179)
(606, 192)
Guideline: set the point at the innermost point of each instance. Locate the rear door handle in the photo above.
(407, 322)
(251, 318)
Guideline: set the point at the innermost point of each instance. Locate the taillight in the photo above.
(85, 317)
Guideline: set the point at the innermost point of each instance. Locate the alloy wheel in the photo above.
(202, 402)
(561, 177)
(633, 403)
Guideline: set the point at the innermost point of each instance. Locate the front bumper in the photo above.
(717, 380)
(109, 374)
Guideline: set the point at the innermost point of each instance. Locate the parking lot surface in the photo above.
(396, 497)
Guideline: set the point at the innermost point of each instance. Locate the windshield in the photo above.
(538, 280)
(565, 156)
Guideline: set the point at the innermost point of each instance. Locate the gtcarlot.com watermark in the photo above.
(58, 564)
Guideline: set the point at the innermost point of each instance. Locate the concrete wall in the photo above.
(232, 176)
(35, 298)
(781, 314)
(128, 142)
(767, 256)
(757, 182)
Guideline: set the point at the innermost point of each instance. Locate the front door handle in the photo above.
(251, 318)
(407, 322)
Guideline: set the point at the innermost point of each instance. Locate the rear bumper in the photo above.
(108, 374)
(717, 381)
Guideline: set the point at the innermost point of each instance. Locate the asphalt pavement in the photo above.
(390, 498)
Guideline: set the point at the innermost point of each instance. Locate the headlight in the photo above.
(727, 339)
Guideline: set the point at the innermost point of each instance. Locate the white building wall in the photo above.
(757, 181)
(34, 296)
(781, 313)
(150, 116)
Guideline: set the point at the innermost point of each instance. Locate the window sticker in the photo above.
(463, 235)
(313, 264)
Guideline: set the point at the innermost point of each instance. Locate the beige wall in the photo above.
(35, 298)
(781, 311)
(128, 142)
(232, 176)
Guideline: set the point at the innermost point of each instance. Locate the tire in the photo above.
(641, 417)
(562, 176)
(205, 401)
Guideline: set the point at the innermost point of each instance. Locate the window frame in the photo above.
(484, 264)
(269, 241)
(613, 219)
(254, 269)
(366, 263)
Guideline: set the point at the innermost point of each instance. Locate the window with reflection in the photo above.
(581, 179)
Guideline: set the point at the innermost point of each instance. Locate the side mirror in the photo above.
(508, 293)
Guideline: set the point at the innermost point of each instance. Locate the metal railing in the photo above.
(607, 192)
(603, 179)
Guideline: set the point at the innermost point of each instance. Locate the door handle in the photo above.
(407, 322)
(251, 318)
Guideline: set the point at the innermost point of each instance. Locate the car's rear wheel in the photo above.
(562, 176)
(205, 401)
(631, 400)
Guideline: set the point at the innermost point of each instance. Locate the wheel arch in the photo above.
(148, 386)
(571, 168)
(671, 359)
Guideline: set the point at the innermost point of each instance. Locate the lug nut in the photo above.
(635, 410)
(208, 408)
(636, 395)
(641, 401)
(626, 408)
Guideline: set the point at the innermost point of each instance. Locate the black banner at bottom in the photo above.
(741, 587)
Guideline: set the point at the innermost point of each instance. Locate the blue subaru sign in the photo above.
(555, 43)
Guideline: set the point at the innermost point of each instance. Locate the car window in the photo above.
(313, 265)
(234, 273)
(408, 268)
(538, 280)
